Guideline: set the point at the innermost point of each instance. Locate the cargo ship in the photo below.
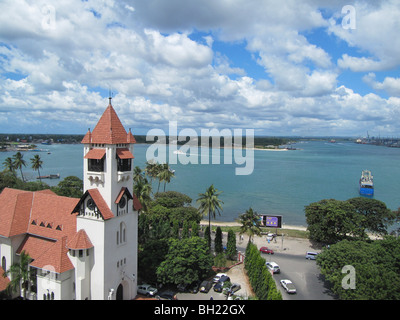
(366, 183)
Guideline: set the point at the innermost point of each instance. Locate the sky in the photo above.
(281, 68)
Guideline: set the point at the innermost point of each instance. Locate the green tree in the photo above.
(142, 190)
(375, 216)
(218, 241)
(20, 274)
(137, 175)
(231, 245)
(37, 164)
(187, 261)
(70, 186)
(260, 278)
(195, 229)
(207, 236)
(250, 224)
(150, 258)
(185, 230)
(330, 221)
(9, 165)
(19, 162)
(209, 203)
(376, 268)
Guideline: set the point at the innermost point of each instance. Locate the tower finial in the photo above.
(109, 96)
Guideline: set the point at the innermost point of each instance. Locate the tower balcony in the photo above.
(95, 177)
(124, 175)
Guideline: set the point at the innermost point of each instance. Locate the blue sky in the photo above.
(281, 68)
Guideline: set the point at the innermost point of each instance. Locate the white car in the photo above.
(147, 290)
(288, 286)
(218, 276)
(273, 266)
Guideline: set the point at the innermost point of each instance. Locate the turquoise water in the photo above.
(282, 183)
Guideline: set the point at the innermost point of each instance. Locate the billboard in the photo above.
(271, 221)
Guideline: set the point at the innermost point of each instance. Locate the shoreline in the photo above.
(236, 224)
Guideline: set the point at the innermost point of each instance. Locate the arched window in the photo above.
(3, 263)
(121, 234)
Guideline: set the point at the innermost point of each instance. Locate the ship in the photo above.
(366, 183)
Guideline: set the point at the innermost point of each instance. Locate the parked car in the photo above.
(147, 290)
(266, 250)
(205, 286)
(288, 286)
(194, 287)
(273, 266)
(220, 284)
(311, 255)
(218, 276)
(234, 287)
(166, 295)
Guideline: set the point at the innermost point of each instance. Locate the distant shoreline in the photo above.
(236, 224)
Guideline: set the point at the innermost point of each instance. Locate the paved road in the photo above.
(303, 273)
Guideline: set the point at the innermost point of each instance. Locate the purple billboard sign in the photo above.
(271, 221)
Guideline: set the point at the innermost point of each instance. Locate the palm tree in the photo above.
(165, 174)
(37, 164)
(151, 170)
(20, 274)
(250, 223)
(19, 162)
(9, 165)
(142, 190)
(209, 203)
(137, 174)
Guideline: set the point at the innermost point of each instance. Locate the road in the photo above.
(303, 273)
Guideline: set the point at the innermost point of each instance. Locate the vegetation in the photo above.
(187, 261)
(376, 268)
(20, 275)
(250, 224)
(209, 203)
(330, 221)
(260, 278)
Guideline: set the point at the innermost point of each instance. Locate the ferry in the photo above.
(366, 183)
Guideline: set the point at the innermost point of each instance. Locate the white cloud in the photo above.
(144, 51)
(389, 84)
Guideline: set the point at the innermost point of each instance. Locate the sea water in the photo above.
(282, 183)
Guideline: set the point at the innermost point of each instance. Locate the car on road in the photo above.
(311, 255)
(205, 286)
(273, 266)
(266, 250)
(147, 290)
(288, 286)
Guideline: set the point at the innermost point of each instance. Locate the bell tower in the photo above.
(108, 210)
(108, 157)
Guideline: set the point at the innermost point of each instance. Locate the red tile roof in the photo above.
(95, 154)
(80, 241)
(55, 259)
(109, 130)
(15, 206)
(136, 203)
(124, 153)
(34, 246)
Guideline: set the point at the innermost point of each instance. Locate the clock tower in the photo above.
(108, 210)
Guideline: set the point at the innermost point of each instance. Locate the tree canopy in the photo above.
(187, 261)
(330, 220)
(375, 264)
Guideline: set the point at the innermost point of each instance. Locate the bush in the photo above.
(259, 276)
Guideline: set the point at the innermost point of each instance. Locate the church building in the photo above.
(79, 248)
